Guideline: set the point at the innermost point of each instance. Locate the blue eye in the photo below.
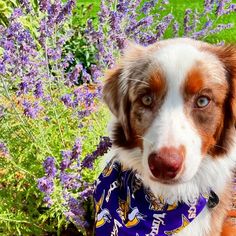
(202, 101)
(147, 100)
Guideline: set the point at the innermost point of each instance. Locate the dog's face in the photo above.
(175, 101)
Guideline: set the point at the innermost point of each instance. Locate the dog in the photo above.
(174, 140)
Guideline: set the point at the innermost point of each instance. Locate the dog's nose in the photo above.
(166, 163)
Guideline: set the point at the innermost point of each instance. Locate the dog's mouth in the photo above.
(165, 181)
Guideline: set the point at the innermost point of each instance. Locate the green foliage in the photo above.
(6, 7)
(21, 206)
(178, 8)
(83, 52)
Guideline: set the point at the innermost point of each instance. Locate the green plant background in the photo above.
(177, 7)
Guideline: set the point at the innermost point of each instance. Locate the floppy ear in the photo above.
(227, 55)
(117, 100)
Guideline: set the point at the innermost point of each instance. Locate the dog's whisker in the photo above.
(140, 81)
(145, 139)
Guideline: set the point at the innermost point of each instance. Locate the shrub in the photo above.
(46, 115)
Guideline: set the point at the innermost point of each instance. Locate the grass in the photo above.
(177, 8)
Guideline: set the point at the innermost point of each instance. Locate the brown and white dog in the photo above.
(174, 106)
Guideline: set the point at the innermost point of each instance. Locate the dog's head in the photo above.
(176, 102)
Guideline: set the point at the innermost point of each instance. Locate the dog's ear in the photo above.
(115, 90)
(116, 99)
(227, 55)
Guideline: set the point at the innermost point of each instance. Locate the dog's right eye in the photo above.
(147, 100)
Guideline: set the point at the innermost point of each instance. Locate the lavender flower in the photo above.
(175, 29)
(16, 14)
(66, 160)
(231, 8)
(67, 100)
(148, 6)
(74, 75)
(220, 8)
(38, 92)
(2, 68)
(88, 192)
(46, 185)
(66, 10)
(208, 6)
(187, 26)
(31, 109)
(86, 77)
(220, 27)
(102, 148)
(161, 27)
(26, 5)
(70, 181)
(77, 149)
(96, 72)
(3, 149)
(49, 167)
(114, 20)
(48, 201)
(44, 5)
(75, 206)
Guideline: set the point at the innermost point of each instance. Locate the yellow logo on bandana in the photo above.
(130, 216)
(102, 215)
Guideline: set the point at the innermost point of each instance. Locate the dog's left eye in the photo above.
(147, 100)
(202, 101)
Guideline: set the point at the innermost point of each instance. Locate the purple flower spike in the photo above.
(48, 201)
(220, 8)
(49, 167)
(46, 185)
(70, 181)
(67, 100)
(38, 93)
(3, 149)
(77, 149)
(102, 148)
(44, 5)
(31, 109)
(75, 206)
(187, 26)
(66, 159)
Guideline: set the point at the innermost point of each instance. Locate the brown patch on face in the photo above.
(224, 139)
(194, 82)
(157, 82)
(141, 115)
(208, 141)
(207, 120)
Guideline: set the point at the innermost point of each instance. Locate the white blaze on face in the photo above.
(172, 128)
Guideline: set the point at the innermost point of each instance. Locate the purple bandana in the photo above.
(124, 207)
